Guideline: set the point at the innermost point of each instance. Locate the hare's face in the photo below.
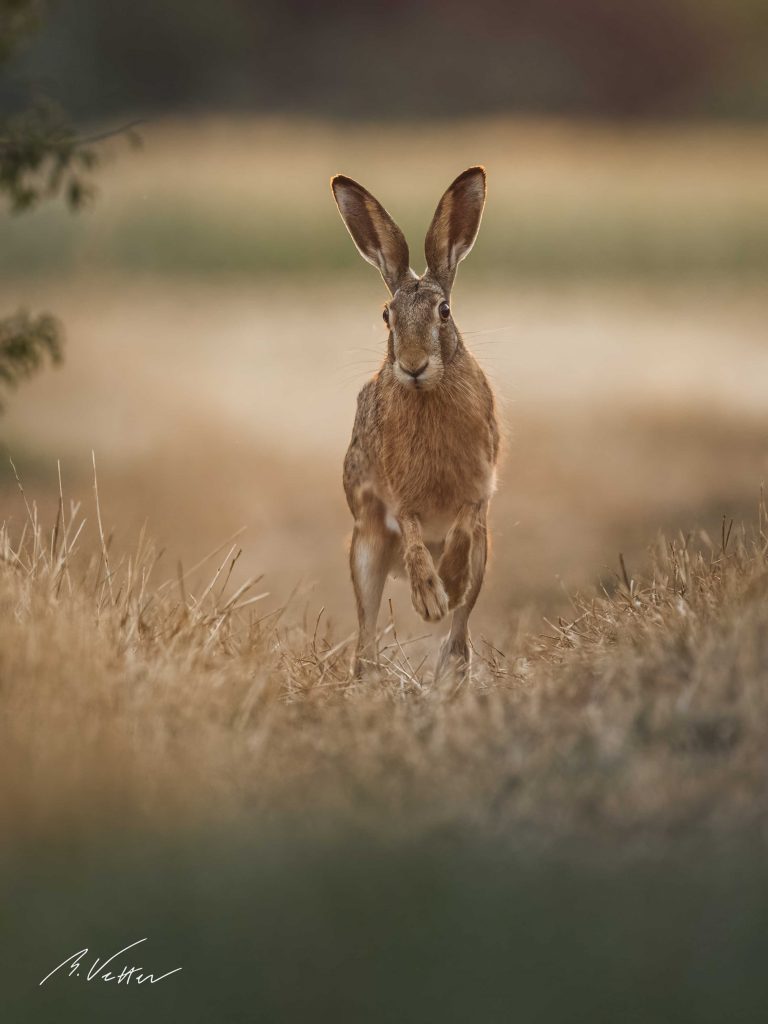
(422, 335)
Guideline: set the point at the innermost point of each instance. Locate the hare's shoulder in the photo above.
(493, 423)
(358, 460)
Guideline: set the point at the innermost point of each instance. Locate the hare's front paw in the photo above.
(427, 591)
(429, 597)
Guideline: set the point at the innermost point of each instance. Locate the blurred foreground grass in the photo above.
(284, 931)
(577, 833)
(566, 200)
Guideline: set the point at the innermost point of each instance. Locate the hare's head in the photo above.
(423, 338)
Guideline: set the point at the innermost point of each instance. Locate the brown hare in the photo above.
(420, 469)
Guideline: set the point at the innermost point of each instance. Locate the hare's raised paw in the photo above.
(429, 597)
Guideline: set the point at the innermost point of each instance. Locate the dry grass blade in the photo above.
(104, 551)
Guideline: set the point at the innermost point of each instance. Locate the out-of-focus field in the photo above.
(566, 199)
(219, 326)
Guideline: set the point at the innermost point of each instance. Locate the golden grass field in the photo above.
(189, 669)
(641, 712)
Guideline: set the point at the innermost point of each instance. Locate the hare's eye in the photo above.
(385, 314)
(444, 310)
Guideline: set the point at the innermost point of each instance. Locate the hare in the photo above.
(421, 466)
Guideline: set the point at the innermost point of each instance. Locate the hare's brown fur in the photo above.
(420, 468)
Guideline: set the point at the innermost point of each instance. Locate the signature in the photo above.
(99, 972)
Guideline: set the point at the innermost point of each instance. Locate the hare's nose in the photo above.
(417, 373)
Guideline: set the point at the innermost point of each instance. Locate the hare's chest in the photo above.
(432, 473)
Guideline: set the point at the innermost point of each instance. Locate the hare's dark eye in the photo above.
(385, 314)
(444, 310)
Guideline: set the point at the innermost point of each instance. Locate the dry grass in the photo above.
(219, 402)
(131, 699)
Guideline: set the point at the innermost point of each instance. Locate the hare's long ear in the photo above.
(378, 239)
(455, 225)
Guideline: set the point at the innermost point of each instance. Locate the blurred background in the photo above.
(220, 323)
(400, 59)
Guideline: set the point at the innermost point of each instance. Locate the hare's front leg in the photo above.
(427, 591)
(454, 652)
(370, 557)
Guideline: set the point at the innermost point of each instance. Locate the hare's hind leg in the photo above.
(370, 557)
(454, 651)
(455, 566)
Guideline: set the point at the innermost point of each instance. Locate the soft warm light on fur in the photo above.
(424, 444)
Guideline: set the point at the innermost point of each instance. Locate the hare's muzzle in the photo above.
(417, 372)
(413, 376)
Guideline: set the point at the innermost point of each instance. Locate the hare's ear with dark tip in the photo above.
(378, 239)
(455, 225)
